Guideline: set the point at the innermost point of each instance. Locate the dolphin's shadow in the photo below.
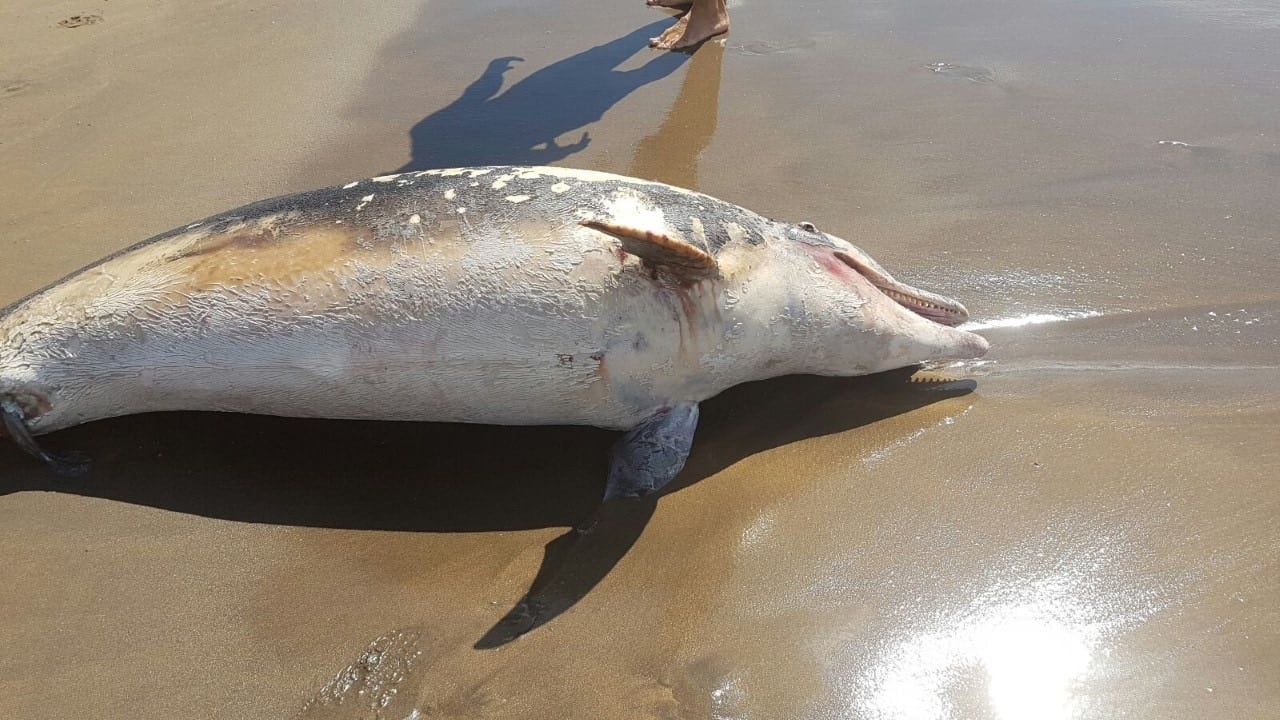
(741, 422)
(446, 477)
(519, 126)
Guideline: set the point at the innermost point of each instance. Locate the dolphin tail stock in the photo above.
(70, 465)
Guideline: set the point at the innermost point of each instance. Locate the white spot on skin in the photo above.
(350, 185)
(478, 173)
(735, 232)
(415, 219)
(699, 232)
(502, 181)
(529, 175)
(631, 211)
(364, 201)
(193, 226)
(517, 198)
(474, 184)
(450, 194)
(461, 210)
(386, 178)
(453, 171)
(559, 187)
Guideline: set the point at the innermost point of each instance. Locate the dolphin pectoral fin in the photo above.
(651, 454)
(644, 460)
(15, 426)
(660, 249)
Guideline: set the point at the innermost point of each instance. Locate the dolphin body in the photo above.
(506, 295)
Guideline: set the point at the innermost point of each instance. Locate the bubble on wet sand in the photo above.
(371, 682)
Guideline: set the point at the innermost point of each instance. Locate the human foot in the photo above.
(706, 19)
(667, 3)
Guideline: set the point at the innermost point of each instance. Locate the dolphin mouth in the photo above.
(930, 306)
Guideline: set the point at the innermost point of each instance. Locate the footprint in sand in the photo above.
(13, 88)
(769, 47)
(76, 21)
(972, 73)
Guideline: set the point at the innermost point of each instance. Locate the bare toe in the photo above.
(668, 39)
(697, 34)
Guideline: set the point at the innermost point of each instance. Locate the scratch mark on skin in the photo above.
(193, 226)
(350, 185)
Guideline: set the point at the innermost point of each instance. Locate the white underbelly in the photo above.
(610, 365)
(405, 379)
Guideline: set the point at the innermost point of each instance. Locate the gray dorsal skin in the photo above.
(486, 194)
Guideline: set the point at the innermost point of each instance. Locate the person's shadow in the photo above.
(520, 125)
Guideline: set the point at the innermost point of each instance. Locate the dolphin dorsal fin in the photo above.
(660, 249)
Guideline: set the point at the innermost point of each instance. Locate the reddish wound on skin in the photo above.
(829, 261)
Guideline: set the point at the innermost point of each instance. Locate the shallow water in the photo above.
(1082, 525)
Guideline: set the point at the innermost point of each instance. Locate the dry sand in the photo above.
(1085, 527)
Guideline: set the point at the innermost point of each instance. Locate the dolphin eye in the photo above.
(808, 227)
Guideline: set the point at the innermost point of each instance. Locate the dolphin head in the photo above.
(851, 317)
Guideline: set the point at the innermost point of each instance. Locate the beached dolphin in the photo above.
(506, 295)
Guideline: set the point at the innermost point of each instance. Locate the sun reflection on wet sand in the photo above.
(1031, 654)
(1028, 319)
(1032, 663)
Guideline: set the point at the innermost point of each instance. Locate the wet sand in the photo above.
(1082, 525)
